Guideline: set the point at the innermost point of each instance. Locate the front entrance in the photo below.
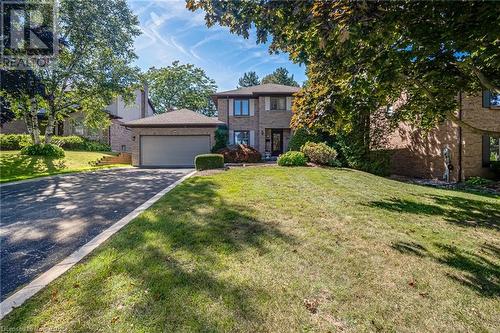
(276, 142)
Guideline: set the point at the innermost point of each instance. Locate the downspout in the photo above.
(460, 138)
(227, 109)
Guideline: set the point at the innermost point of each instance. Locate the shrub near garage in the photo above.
(43, 150)
(209, 161)
(292, 158)
(319, 153)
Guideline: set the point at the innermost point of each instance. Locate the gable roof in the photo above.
(177, 118)
(261, 89)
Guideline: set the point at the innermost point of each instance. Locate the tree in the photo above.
(248, 79)
(362, 55)
(93, 64)
(280, 76)
(181, 86)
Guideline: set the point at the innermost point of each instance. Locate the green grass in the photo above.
(14, 166)
(288, 250)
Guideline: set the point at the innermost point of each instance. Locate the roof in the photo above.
(267, 88)
(182, 117)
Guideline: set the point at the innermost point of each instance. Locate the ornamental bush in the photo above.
(240, 154)
(43, 150)
(319, 153)
(292, 158)
(73, 142)
(209, 161)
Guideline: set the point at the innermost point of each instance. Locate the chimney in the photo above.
(144, 100)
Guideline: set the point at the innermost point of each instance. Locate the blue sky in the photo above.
(171, 32)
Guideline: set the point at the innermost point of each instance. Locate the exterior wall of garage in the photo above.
(177, 131)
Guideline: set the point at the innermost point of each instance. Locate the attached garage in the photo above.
(172, 139)
(171, 150)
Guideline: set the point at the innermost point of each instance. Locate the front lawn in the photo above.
(14, 166)
(288, 250)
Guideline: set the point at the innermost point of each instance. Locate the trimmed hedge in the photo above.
(209, 161)
(43, 150)
(292, 158)
(319, 153)
(19, 141)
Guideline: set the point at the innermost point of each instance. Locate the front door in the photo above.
(276, 142)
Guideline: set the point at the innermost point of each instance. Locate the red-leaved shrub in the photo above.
(240, 154)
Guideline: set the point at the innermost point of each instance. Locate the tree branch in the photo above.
(485, 81)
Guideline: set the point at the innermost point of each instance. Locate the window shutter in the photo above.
(289, 103)
(267, 101)
(486, 98)
(231, 107)
(486, 151)
(251, 103)
(231, 137)
(252, 138)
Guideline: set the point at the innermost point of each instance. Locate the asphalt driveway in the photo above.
(43, 221)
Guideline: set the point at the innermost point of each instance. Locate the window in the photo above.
(242, 137)
(79, 129)
(389, 110)
(241, 107)
(495, 100)
(278, 103)
(491, 100)
(124, 148)
(491, 150)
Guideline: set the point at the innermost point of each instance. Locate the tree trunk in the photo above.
(31, 121)
(49, 130)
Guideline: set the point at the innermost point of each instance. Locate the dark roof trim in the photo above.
(172, 125)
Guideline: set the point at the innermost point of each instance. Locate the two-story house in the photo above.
(116, 135)
(258, 116)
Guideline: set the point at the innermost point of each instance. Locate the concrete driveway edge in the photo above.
(25, 293)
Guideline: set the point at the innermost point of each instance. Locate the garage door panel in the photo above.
(166, 150)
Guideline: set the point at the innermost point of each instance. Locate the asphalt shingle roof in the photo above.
(267, 88)
(180, 117)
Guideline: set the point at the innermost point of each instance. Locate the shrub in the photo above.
(43, 150)
(14, 141)
(221, 138)
(18, 141)
(478, 181)
(209, 161)
(292, 158)
(240, 154)
(303, 135)
(319, 153)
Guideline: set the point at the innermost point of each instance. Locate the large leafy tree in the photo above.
(365, 54)
(93, 64)
(280, 76)
(181, 86)
(248, 79)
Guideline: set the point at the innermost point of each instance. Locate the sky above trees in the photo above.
(170, 32)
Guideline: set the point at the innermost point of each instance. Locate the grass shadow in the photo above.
(17, 165)
(456, 210)
(477, 271)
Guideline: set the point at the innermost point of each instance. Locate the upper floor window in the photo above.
(491, 100)
(278, 103)
(241, 107)
(242, 137)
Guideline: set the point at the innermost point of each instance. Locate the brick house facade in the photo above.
(259, 116)
(419, 154)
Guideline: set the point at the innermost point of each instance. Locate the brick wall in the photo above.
(120, 136)
(137, 132)
(419, 154)
(14, 127)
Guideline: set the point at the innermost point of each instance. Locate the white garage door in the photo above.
(173, 151)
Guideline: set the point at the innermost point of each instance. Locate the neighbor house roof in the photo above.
(261, 89)
(177, 118)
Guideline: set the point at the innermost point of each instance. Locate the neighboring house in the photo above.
(172, 139)
(419, 154)
(116, 135)
(258, 116)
